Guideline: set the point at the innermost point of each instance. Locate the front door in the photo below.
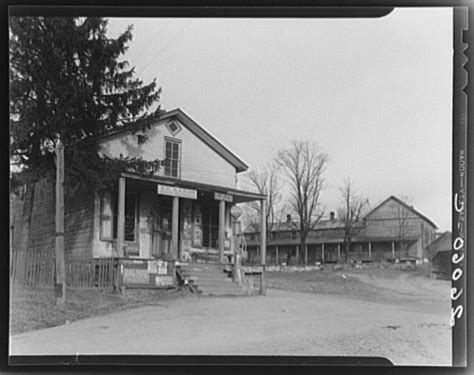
(161, 229)
(210, 225)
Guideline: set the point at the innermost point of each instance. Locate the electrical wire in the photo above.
(152, 39)
(166, 46)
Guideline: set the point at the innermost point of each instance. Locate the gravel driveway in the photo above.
(281, 323)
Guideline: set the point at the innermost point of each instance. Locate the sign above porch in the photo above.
(175, 191)
(223, 197)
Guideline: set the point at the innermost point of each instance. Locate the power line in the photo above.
(153, 38)
(166, 46)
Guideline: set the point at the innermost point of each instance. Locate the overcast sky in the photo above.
(376, 94)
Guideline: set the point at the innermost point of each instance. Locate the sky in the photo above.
(375, 94)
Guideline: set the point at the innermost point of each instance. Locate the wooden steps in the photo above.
(209, 279)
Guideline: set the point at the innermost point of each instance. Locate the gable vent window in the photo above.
(173, 127)
(172, 156)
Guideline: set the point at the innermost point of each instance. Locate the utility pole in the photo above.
(60, 287)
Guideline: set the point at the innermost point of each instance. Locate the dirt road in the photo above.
(281, 323)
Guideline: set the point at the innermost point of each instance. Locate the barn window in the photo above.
(172, 158)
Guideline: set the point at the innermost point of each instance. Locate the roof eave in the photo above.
(412, 209)
(194, 127)
(200, 132)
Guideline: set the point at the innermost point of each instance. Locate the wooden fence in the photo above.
(34, 269)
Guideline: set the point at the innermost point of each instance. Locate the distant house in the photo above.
(392, 230)
(439, 252)
(180, 212)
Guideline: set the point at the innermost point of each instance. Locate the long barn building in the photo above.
(392, 230)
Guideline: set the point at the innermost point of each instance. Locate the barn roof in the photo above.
(410, 208)
(199, 132)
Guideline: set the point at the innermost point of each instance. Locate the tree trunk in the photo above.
(304, 248)
(347, 246)
(27, 211)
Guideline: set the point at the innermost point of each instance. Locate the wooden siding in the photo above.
(386, 219)
(199, 162)
(390, 227)
(442, 266)
(78, 222)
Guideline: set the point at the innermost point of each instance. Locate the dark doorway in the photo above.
(210, 225)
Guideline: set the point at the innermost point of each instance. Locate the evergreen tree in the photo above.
(66, 80)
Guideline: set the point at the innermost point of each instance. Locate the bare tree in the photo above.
(351, 212)
(265, 182)
(303, 164)
(403, 215)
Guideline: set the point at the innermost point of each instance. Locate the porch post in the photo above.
(393, 249)
(338, 251)
(322, 253)
(60, 282)
(263, 230)
(221, 230)
(297, 254)
(174, 228)
(370, 250)
(121, 217)
(276, 255)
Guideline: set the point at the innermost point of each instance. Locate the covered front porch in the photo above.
(180, 220)
(163, 223)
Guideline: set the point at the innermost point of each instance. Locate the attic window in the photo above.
(173, 127)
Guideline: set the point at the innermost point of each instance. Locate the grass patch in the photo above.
(342, 282)
(320, 282)
(35, 308)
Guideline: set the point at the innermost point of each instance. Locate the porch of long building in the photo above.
(329, 252)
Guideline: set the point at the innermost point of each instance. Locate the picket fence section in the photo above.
(34, 269)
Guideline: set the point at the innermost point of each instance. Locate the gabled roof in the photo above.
(410, 208)
(202, 134)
